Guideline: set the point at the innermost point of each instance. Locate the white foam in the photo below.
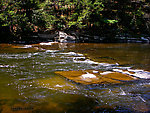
(122, 92)
(123, 67)
(126, 72)
(94, 71)
(135, 70)
(144, 75)
(51, 51)
(88, 75)
(46, 43)
(76, 58)
(137, 73)
(121, 71)
(140, 73)
(6, 66)
(142, 99)
(72, 53)
(26, 46)
(86, 61)
(118, 70)
(106, 72)
(36, 54)
(106, 64)
(58, 85)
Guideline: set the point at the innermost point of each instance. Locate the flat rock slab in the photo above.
(95, 77)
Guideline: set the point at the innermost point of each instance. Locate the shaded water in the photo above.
(28, 82)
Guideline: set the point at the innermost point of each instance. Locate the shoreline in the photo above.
(75, 37)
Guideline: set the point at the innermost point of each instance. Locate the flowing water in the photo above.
(28, 82)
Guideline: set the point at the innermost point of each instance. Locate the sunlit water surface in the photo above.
(28, 82)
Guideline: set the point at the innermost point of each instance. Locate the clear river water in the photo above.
(28, 82)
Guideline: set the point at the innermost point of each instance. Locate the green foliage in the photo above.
(69, 13)
(28, 16)
(19, 16)
(110, 21)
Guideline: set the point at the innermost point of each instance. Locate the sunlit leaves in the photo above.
(110, 21)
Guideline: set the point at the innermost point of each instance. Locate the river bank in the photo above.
(76, 37)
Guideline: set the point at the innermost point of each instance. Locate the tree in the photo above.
(19, 16)
(97, 17)
(130, 16)
(70, 13)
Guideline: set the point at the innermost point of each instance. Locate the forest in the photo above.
(21, 19)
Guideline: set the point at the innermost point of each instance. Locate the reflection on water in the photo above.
(28, 82)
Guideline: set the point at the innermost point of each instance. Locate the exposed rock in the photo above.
(90, 77)
(46, 37)
(146, 40)
(65, 38)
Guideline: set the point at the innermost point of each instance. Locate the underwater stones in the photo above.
(17, 108)
(56, 83)
(10, 48)
(90, 77)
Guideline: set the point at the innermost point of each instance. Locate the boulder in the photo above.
(65, 38)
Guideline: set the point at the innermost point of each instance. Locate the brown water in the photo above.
(28, 82)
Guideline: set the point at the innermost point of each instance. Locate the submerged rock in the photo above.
(56, 83)
(89, 77)
(10, 48)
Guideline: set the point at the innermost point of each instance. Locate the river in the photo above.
(28, 82)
